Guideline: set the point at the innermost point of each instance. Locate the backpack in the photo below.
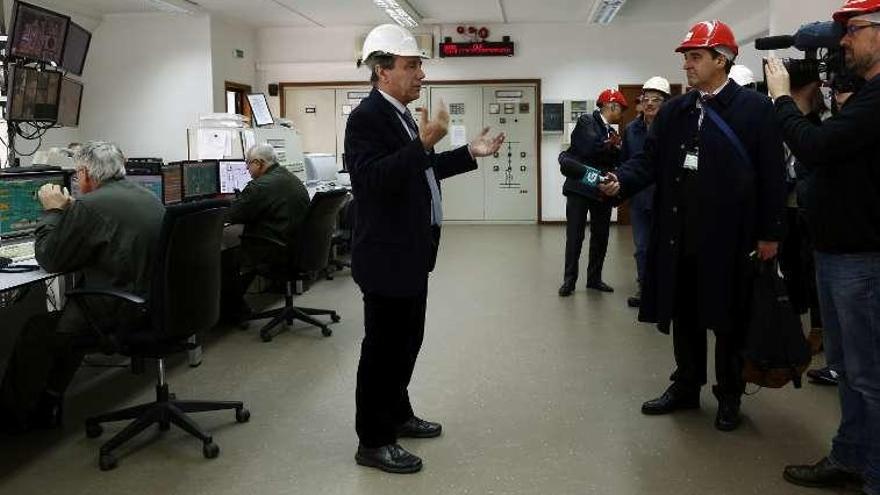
(776, 351)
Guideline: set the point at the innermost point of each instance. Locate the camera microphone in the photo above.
(774, 42)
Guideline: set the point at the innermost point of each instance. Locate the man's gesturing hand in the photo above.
(483, 145)
(432, 131)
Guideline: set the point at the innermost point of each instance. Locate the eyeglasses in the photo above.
(852, 29)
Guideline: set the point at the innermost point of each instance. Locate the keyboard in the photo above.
(19, 251)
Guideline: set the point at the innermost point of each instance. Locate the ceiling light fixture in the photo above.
(603, 11)
(400, 12)
(171, 7)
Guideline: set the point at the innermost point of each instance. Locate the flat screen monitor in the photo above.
(172, 183)
(38, 33)
(260, 109)
(20, 210)
(69, 103)
(152, 183)
(234, 176)
(33, 95)
(320, 167)
(76, 47)
(200, 179)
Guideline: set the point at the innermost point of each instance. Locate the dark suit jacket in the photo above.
(740, 202)
(394, 246)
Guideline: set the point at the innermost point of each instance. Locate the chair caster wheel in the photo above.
(335, 317)
(210, 450)
(265, 337)
(94, 430)
(107, 462)
(326, 332)
(242, 415)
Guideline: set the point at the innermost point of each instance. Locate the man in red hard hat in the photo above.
(843, 212)
(594, 143)
(715, 155)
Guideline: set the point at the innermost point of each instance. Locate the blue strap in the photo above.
(731, 136)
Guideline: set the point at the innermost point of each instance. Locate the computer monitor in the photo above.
(200, 179)
(69, 103)
(33, 95)
(260, 109)
(76, 47)
(38, 33)
(320, 167)
(20, 209)
(234, 176)
(152, 183)
(172, 183)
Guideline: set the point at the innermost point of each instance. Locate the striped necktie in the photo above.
(436, 205)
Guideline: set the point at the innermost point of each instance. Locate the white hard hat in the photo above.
(393, 40)
(742, 75)
(657, 83)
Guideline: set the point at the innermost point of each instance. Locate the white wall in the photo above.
(225, 39)
(574, 61)
(148, 79)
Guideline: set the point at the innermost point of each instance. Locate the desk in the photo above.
(9, 281)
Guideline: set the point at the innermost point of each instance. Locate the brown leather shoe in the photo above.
(391, 458)
(416, 427)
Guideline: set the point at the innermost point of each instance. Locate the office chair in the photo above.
(342, 237)
(184, 299)
(307, 253)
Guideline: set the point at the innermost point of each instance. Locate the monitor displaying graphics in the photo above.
(33, 95)
(69, 103)
(200, 179)
(37, 33)
(172, 183)
(234, 176)
(20, 209)
(76, 47)
(152, 183)
(260, 109)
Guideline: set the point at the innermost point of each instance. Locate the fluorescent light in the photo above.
(169, 7)
(400, 12)
(603, 11)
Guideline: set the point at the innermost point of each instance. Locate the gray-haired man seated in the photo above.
(272, 205)
(108, 235)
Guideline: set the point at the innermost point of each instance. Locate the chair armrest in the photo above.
(118, 294)
(263, 238)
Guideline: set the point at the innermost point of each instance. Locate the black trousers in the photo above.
(796, 260)
(393, 332)
(689, 340)
(45, 358)
(233, 283)
(576, 210)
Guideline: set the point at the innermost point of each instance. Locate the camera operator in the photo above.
(844, 215)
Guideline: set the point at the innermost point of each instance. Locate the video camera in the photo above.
(823, 56)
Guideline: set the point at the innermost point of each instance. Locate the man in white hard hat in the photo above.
(655, 92)
(395, 178)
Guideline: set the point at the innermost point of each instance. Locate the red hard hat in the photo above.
(853, 8)
(709, 34)
(612, 96)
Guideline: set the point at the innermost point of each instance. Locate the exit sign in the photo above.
(477, 49)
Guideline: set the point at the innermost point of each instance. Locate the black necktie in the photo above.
(411, 122)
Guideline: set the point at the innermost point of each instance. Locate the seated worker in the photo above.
(272, 205)
(108, 235)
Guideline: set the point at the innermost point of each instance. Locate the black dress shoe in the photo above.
(634, 301)
(600, 286)
(391, 458)
(819, 475)
(416, 427)
(566, 289)
(728, 418)
(673, 399)
(823, 376)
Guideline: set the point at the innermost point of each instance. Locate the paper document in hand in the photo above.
(457, 135)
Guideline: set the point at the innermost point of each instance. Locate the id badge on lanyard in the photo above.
(692, 160)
